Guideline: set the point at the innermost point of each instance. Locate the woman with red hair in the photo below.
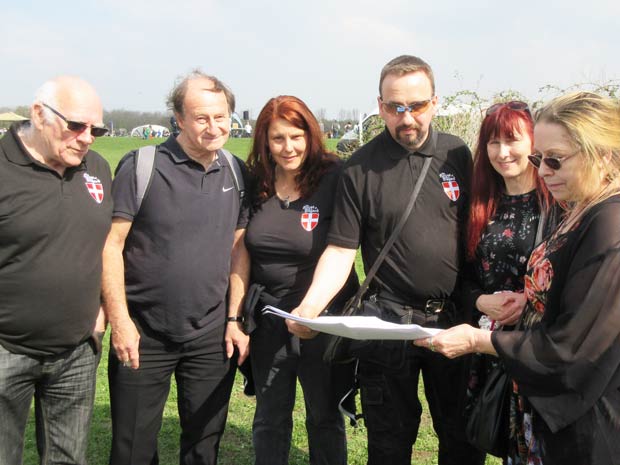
(510, 214)
(295, 185)
(508, 202)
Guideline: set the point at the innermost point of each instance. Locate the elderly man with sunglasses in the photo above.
(418, 281)
(55, 213)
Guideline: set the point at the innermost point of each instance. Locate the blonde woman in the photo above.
(566, 361)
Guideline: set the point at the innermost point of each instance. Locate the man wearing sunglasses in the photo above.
(418, 280)
(55, 213)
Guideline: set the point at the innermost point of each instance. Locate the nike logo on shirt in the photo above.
(226, 189)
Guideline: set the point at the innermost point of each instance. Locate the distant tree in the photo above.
(320, 114)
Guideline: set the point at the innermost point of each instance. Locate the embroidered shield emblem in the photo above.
(94, 186)
(451, 188)
(309, 221)
(95, 189)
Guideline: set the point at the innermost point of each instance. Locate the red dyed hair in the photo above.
(488, 184)
(261, 165)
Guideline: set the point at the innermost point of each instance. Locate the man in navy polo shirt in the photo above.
(55, 214)
(168, 266)
(419, 280)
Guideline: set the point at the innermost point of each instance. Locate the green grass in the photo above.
(113, 148)
(236, 446)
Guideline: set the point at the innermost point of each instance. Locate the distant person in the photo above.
(174, 127)
(295, 180)
(419, 281)
(56, 212)
(248, 129)
(335, 130)
(565, 362)
(173, 282)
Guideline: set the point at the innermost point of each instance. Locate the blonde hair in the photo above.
(593, 124)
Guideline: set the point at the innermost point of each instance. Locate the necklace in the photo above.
(286, 191)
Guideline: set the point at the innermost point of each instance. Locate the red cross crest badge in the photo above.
(94, 186)
(450, 186)
(310, 217)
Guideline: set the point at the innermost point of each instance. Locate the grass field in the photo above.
(236, 447)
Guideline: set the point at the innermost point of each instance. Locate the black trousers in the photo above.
(392, 409)
(278, 361)
(204, 379)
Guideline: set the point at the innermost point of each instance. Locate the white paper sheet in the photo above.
(358, 327)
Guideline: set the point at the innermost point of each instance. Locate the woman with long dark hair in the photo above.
(295, 184)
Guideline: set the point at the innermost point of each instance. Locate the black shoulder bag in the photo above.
(338, 347)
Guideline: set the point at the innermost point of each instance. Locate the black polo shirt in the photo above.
(286, 242)
(52, 232)
(177, 253)
(374, 191)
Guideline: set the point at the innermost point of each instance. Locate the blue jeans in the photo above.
(63, 387)
(278, 360)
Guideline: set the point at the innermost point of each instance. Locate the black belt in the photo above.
(427, 306)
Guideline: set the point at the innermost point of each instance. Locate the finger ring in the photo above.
(127, 363)
(430, 344)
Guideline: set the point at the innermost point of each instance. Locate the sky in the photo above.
(329, 53)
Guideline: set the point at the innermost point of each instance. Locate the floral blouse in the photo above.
(506, 244)
(566, 359)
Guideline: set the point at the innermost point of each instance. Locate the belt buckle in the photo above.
(434, 306)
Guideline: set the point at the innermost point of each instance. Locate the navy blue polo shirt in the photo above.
(177, 254)
(52, 231)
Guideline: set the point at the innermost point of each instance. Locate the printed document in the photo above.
(358, 327)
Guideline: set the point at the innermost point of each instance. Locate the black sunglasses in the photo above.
(95, 131)
(415, 108)
(516, 105)
(552, 162)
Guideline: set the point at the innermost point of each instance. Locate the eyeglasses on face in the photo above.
(75, 126)
(555, 163)
(415, 108)
(516, 105)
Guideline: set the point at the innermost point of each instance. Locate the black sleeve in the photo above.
(470, 291)
(572, 358)
(346, 226)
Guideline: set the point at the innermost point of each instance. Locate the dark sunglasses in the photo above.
(516, 105)
(95, 131)
(552, 162)
(415, 108)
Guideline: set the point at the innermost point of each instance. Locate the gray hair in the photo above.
(177, 95)
(47, 93)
